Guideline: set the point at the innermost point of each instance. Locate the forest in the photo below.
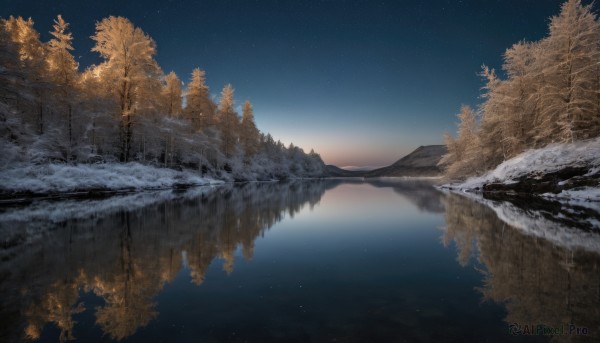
(549, 93)
(126, 109)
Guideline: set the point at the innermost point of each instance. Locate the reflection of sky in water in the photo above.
(363, 203)
(366, 263)
(351, 216)
(363, 263)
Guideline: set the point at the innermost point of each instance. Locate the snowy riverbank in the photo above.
(558, 171)
(65, 178)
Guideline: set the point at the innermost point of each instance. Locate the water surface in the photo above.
(304, 261)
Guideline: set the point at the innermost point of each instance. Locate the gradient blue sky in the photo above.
(361, 82)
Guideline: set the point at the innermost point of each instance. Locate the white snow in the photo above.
(587, 193)
(534, 223)
(541, 161)
(48, 212)
(61, 178)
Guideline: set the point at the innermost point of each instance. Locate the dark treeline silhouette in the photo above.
(125, 109)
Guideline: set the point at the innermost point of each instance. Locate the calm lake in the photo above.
(387, 260)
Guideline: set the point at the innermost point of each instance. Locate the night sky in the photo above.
(361, 82)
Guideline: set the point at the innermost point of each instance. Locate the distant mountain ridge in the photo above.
(335, 171)
(421, 162)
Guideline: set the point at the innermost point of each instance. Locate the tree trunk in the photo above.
(41, 113)
(70, 114)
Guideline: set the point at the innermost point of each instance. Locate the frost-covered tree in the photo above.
(551, 92)
(199, 110)
(464, 154)
(49, 112)
(249, 135)
(129, 63)
(32, 52)
(11, 75)
(493, 148)
(100, 128)
(32, 55)
(62, 70)
(171, 95)
(570, 59)
(518, 91)
(61, 64)
(228, 122)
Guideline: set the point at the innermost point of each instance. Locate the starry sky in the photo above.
(361, 82)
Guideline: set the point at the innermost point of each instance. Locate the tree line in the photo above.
(125, 109)
(550, 94)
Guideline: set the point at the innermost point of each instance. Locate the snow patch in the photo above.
(549, 159)
(60, 178)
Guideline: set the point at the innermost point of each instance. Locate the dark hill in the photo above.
(421, 162)
(333, 171)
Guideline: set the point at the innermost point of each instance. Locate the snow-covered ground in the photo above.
(537, 162)
(64, 178)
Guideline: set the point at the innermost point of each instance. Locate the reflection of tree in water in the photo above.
(127, 257)
(418, 191)
(539, 282)
(58, 307)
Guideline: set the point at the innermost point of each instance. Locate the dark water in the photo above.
(306, 261)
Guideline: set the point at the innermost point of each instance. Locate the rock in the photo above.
(554, 182)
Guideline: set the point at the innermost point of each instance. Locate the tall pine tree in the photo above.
(228, 122)
(171, 95)
(62, 70)
(199, 110)
(249, 135)
(128, 52)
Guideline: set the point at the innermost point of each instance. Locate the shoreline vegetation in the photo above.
(566, 172)
(537, 131)
(124, 123)
(24, 182)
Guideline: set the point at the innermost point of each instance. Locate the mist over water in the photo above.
(321, 260)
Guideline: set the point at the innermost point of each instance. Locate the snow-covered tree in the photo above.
(31, 50)
(98, 123)
(228, 122)
(11, 75)
(32, 55)
(129, 64)
(570, 59)
(62, 70)
(551, 93)
(464, 154)
(61, 64)
(518, 91)
(171, 95)
(199, 110)
(490, 134)
(249, 135)
(50, 112)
